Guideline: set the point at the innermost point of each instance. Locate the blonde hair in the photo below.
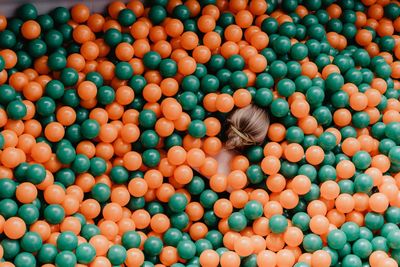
(247, 126)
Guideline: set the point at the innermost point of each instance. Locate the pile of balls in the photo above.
(103, 118)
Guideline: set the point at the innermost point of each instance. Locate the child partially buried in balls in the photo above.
(245, 127)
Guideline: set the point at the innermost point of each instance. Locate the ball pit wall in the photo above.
(8, 7)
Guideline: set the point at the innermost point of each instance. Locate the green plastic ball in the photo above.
(53, 39)
(46, 22)
(366, 233)
(101, 192)
(157, 14)
(131, 239)
(172, 140)
(27, 12)
(263, 97)
(216, 63)
(393, 154)
(105, 95)
(188, 100)
(309, 140)
(393, 240)
(196, 185)
(147, 118)
(116, 254)
(126, 17)
(286, 87)
(8, 187)
(269, 25)
(201, 245)
(152, 60)
(186, 249)
(254, 154)
(388, 228)
(374, 221)
(323, 115)
(20, 171)
(210, 219)
(65, 259)
(168, 68)
(352, 230)
(312, 242)
(98, 166)
(264, 80)
(362, 248)
(67, 241)
(119, 175)
(29, 213)
(279, 107)
(379, 243)
(237, 221)
(315, 95)
(301, 264)
(278, 224)
(45, 106)
(8, 40)
(65, 176)
(112, 37)
(172, 237)
(24, 259)
(309, 171)
(190, 83)
(16, 110)
(66, 154)
(35, 173)
(177, 202)
(215, 237)
(238, 79)
(54, 213)
(70, 98)
(80, 164)
(47, 254)
(90, 128)
(69, 76)
(8, 94)
(336, 239)
(123, 71)
(363, 183)
(149, 139)
(253, 210)
(351, 260)
(89, 230)
(209, 83)
(395, 254)
(255, 174)
(289, 169)
(281, 45)
(362, 160)
(392, 215)
(10, 247)
(278, 69)
(298, 51)
(151, 157)
(31, 242)
(235, 62)
(95, 78)
(54, 89)
(153, 246)
(85, 253)
(197, 129)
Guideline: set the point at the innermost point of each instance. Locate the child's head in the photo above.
(247, 126)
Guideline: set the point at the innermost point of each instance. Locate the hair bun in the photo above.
(233, 142)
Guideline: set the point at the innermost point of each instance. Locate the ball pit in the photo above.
(110, 125)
